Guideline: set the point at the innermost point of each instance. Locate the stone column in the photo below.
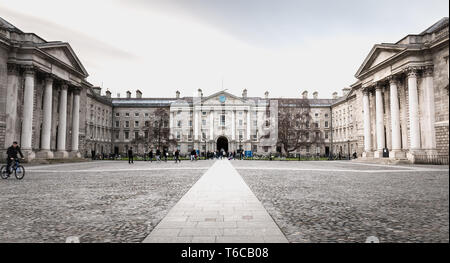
(47, 120)
(379, 120)
(396, 152)
(367, 129)
(171, 120)
(248, 125)
(233, 125)
(75, 123)
(414, 129)
(27, 117)
(196, 125)
(62, 123)
(211, 125)
(429, 112)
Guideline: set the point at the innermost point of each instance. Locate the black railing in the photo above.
(431, 159)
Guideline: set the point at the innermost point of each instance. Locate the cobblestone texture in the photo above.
(122, 203)
(336, 206)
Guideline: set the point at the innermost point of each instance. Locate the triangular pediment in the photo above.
(222, 97)
(64, 53)
(378, 55)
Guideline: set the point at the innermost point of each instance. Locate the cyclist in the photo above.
(12, 155)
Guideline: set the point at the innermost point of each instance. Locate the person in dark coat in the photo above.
(158, 155)
(150, 155)
(177, 156)
(12, 152)
(165, 153)
(130, 155)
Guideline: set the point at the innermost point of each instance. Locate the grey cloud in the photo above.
(81, 42)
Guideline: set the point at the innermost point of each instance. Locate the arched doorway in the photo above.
(222, 144)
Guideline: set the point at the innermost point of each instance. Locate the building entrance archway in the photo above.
(222, 144)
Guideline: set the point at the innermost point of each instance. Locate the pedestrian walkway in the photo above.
(219, 208)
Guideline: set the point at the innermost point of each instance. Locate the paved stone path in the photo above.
(219, 208)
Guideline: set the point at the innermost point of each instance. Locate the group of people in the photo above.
(158, 156)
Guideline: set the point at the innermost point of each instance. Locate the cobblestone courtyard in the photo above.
(96, 201)
(310, 201)
(348, 202)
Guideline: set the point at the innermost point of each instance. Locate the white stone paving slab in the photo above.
(219, 208)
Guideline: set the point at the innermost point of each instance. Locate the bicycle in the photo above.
(19, 170)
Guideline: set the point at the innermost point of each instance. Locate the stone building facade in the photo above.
(41, 86)
(399, 103)
(403, 89)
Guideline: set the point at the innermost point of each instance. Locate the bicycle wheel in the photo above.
(3, 172)
(19, 172)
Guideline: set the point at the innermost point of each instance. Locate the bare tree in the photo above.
(140, 140)
(295, 127)
(159, 130)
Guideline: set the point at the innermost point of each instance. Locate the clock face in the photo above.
(222, 99)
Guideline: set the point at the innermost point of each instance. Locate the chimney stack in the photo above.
(200, 93)
(97, 90)
(316, 95)
(266, 95)
(108, 94)
(177, 94)
(138, 94)
(305, 94)
(244, 94)
(345, 91)
(128, 94)
(335, 95)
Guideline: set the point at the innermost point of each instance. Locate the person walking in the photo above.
(130, 156)
(192, 155)
(150, 156)
(158, 155)
(165, 154)
(177, 156)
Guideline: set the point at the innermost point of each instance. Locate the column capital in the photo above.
(393, 80)
(379, 85)
(64, 86)
(29, 70)
(13, 69)
(428, 71)
(411, 71)
(366, 91)
(49, 78)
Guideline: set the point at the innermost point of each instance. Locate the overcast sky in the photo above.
(280, 46)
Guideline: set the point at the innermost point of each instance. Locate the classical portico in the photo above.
(53, 79)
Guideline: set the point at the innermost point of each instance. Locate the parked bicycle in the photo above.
(16, 168)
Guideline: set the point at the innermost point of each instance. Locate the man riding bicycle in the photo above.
(12, 155)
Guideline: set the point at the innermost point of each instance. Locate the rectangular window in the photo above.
(240, 123)
(127, 114)
(117, 135)
(136, 124)
(117, 124)
(136, 114)
(317, 125)
(179, 124)
(127, 124)
(326, 124)
(146, 135)
(136, 135)
(241, 135)
(178, 136)
(127, 135)
(326, 135)
(117, 114)
(146, 114)
(190, 123)
(204, 122)
(255, 123)
(222, 120)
